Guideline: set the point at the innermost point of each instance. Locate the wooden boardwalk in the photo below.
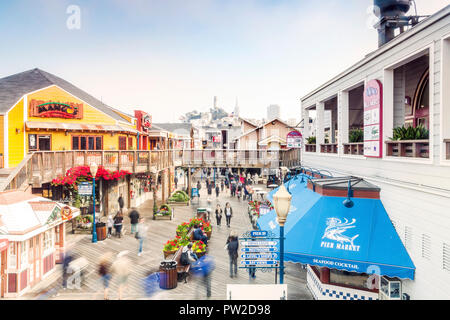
(159, 232)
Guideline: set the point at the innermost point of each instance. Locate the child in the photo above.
(110, 225)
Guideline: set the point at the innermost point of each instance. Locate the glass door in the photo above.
(44, 143)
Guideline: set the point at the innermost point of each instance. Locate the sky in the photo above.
(168, 57)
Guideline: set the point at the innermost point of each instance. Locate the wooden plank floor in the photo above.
(159, 232)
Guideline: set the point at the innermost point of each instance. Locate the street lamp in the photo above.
(282, 204)
(94, 168)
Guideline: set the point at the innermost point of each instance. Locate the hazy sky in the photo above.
(172, 56)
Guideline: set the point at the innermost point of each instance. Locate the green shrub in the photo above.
(356, 135)
(410, 133)
(311, 140)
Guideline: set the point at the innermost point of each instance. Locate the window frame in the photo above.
(76, 136)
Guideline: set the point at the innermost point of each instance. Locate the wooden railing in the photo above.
(408, 148)
(44, 166)
(354, 148)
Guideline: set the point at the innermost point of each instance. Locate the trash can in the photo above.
(168, 274)
(100, 228)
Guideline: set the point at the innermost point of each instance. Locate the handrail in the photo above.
(4, 185)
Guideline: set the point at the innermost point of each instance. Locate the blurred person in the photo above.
(104, 270)
(121, 269)
(121, 203)
(110, 224)
(118, 221)
(151, 282)
(218, 214)
(217, 190)
(134, 219)
(188, 257)
(203, 268)
(141, 234)
(175, 180)
(228, 213)
(232, 247)
(222, 185)
(233, 189)
(68, 257)
(209, 187)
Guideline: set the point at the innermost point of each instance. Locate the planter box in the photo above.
(408, 148)
(356, 148)
(328, 148)
(179, 204)
(164, 217)
(310, 148)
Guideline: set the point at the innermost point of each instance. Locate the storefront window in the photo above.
(23, 254)
(12, 255)
(87, 143)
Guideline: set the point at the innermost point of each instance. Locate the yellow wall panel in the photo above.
(2, 138)
(90, 114)
(16, 147)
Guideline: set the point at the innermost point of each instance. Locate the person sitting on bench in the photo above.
(187, 255)
(200, 235)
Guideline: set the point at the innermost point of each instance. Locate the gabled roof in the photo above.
(174, 127)
(13, 87)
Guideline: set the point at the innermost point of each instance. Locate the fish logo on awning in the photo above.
(335, 231)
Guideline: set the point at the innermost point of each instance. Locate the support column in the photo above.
(189, 186)
(320, 135)
(343, 119)
(163, 186)
(305, 118)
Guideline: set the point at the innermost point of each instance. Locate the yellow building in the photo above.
(40, 111)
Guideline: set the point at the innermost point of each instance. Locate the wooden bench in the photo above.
(182, 271)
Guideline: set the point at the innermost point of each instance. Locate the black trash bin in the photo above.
(168, 274)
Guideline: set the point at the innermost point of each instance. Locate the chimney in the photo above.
(392, 16)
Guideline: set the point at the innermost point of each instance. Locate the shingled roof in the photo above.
(13, 87)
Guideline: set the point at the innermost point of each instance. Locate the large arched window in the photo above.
(420, 113)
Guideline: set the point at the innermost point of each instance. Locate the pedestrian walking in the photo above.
(175, 180)
(232, 246)
(104, 270)
(222, 185)
(110, 224)
(233, 189)
(228, 213)
(121, 203)
(134, 219)
(217, 191)
(118, 221)
(204, 268)
(209, 189)
(218, 214)
(121, 269)
(141, 235)
(68, 257)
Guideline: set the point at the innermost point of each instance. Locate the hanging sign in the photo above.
(294, 140)
(85, 188)
(373, 119)
(259, 250)
(66, 213)
(52, 109)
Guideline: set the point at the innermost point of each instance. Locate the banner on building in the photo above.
(373, 119)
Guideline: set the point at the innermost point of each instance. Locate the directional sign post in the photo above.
(259, 251)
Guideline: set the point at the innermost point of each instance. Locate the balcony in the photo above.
(408, 148)
(356, 148)
(329, 148)
(310, 148)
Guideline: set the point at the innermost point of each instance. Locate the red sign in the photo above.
(144, 121)
(3, 244)
(52, 109)
(373, 119)
(294, 140)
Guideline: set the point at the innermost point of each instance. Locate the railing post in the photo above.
(85, 158)
(119, 160)
(64, 163)
(149, 161)
(103, 158)
(42, 166)
(134, 161)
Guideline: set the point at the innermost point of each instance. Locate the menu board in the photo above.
(373, 119)
(294, 140)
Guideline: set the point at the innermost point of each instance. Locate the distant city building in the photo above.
(273, 111)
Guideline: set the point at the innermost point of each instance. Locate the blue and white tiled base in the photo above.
(322, 291)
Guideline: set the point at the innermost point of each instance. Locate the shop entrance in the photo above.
(44, 143)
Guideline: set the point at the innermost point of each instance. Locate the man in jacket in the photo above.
(200, 235)
(233, 247)
(134, 219)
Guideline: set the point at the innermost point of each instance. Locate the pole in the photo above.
(94, 231)
(281, 254)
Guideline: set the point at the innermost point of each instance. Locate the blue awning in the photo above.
(321, 231)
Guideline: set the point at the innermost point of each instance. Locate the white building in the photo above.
(413, 74)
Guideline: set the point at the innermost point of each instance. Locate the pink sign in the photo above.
(373, 119)
(294, 140)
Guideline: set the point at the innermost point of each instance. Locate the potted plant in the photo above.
(207, 228)
(182, 229)
(195, 221)
(170, 247)
(410, 133)
(356, 135)
(311, 140)
(164, 212)
(199, 248)
(182, 240)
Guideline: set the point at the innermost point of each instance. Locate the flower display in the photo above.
(198, 246)
(206, 226)
(83, 173)
(182, 228)
(171, 245)
(195, 221)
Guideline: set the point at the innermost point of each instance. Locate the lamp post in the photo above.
(94, 169)
(282, 204)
